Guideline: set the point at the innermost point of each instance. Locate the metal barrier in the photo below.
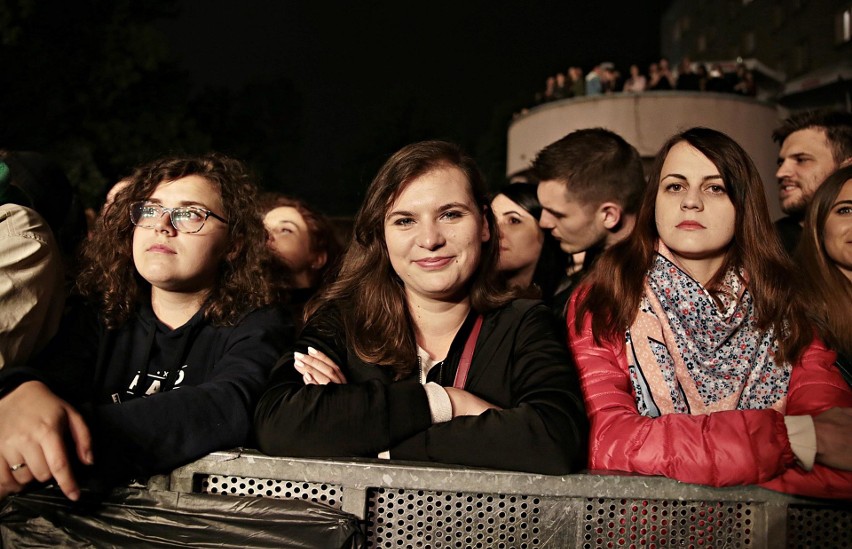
(405, 504)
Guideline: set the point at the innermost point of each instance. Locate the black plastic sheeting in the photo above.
(129, 517)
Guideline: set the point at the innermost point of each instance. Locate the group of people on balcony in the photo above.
(689, 76)
(591, 318)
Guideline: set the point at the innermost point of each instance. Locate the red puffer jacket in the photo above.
(728, 448)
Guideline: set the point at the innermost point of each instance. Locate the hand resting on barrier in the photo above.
(33, 425)
(834, 438)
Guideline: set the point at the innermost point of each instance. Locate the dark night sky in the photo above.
(373, 75)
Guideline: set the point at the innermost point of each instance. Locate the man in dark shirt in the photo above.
(813, 145)
(590, 184)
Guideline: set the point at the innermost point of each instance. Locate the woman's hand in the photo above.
(467, 404)
(834, 438)
(317, 369)
(33, 423)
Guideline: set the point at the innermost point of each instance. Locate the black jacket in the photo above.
(156, 398)
(518, 365)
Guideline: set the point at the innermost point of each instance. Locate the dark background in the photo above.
(313, 95)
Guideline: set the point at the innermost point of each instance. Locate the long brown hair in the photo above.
(616, 282)
(369, 294)
(828, 291)
(109, 276)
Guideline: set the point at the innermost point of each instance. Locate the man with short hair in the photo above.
(597, 77)
(813, 145)
(590, 186)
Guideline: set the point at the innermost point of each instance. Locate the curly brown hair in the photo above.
(243, 283)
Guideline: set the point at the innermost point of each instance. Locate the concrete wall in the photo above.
(647, 120)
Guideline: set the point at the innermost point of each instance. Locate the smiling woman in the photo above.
(176, 296)
(825, 256)
(695, 360)
(416, 352)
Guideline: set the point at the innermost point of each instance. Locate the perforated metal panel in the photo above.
(818, 527)
(418, 518)
(328, 494)
(638, 524)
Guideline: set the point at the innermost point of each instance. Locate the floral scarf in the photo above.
(688, 355)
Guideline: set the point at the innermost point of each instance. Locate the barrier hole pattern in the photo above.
(658, 524)
(811, 526)
(327, 494)
(444, 520)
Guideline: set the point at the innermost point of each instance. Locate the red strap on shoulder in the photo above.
(467, 355)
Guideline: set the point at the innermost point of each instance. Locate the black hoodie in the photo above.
(157, 398)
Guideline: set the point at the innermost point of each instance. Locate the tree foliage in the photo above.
(92, 83)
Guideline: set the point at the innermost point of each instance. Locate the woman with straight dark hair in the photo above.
(416, 351)
(165, 361)
(530, 258)
(825, 260)
(695, 357)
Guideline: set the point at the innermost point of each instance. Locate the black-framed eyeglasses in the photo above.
(185, 219)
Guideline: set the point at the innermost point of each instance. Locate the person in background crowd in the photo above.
(636, 83)
(165, 362)
(611, 80)
(530, 258)
(563, 87)
(32, 283)
(108, 198)
(113, 191)
(304, 241)
(594, 80)
(716, 81)
(549, 91)
(731, 389)
(825, 260)
(666, 76)
(702, 76)
(687, 80)
(745, 82)
(813, 145)
(416, 352)
(654, 77)
(590, 184)
(578, 83)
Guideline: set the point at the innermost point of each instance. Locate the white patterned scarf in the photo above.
(688, 355)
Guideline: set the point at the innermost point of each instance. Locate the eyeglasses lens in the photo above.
(185, 220)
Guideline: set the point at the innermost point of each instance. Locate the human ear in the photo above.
(611, 214)
(319, 261)
(485, 235)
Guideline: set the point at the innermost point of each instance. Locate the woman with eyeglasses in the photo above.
(166, 360)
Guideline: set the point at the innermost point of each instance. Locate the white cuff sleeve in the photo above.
(440, 407)
(384, 455)
(802, 435)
